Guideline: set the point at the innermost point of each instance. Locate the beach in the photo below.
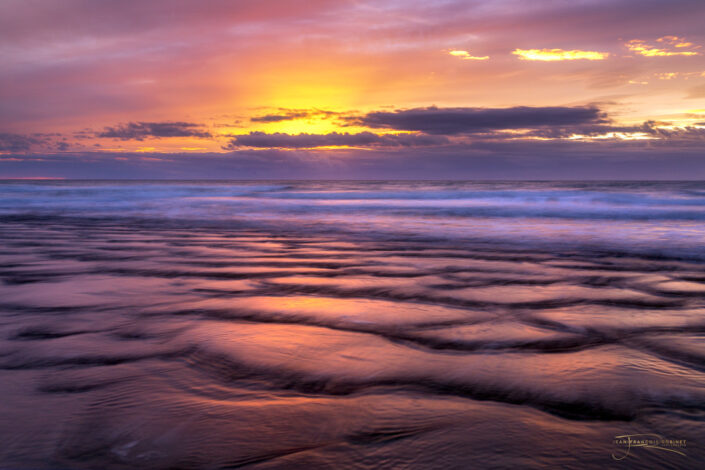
(351, 325)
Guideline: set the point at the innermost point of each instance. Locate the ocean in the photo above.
(352, 325)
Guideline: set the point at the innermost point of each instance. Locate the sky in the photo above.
(352, 89)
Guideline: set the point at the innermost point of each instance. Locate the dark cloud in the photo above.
(142, 130)
(362, 139)
(677, 133)
(18, 142)
(449, 121)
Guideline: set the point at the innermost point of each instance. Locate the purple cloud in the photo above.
(449, 121)
(142, 130)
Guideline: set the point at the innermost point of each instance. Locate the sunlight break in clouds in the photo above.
(549, 55)
(465, 55)
(641, 47)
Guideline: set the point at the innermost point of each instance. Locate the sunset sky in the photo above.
(502, 89)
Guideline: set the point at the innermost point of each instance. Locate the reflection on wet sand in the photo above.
(186, 344)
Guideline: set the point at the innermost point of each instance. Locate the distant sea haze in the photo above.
(360, 325)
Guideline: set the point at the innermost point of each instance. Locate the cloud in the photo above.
(662, 131)
(549, 55)
(682, 134)
(465, 55)
(18, 142)
(449, 121)
(674, 47)
(675, 41)
(142, 130)
(594, 130)
(333, 139)
(285, 114)
(280, 117)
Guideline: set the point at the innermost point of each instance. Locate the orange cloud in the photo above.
(641, 47)
(550, 55)
(465, 55)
